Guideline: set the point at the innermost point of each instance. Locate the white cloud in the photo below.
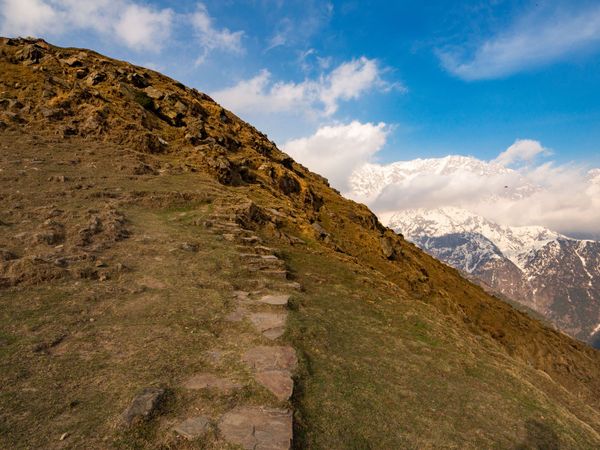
(523, 150)
(27, 17)
(136, 25)
(142, 28)
(321, 95)
(564, 198)
(211, 38)
(533, 40)
(336, 151)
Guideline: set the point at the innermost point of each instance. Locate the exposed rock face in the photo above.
(554, 275)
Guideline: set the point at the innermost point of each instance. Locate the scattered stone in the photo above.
(257, 428)
(189, 247)
(264, 357)
(241, 295)
(278, 300)
(58, 178)
(271, 325)
(211, 381)
(73, 61)
(81, 73)
(321, 232)
(193, 427)
(137, 80)
(294, 285)
(143, 406)
(154, 93)
(279, 382)
(95, 78)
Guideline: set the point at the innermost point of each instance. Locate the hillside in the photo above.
(149, 244)
(557, 276)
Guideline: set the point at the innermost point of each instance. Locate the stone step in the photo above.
(271, 325)
(212, 382)
(253, 427)
(278, 382)
(275, 299)
(193, 428)
(271, 273)
(256, 249)
(250, 240)
(264, 357)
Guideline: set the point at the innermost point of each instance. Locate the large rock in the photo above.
(387, 247)
(258, 428)
(143, 406)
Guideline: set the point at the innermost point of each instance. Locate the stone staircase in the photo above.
(268, 426)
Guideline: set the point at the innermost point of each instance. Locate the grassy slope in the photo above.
(382, 370)
(73, 352)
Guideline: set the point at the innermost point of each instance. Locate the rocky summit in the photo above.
(170, 279)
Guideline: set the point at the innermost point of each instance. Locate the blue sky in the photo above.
(390, 80)
(554, 99)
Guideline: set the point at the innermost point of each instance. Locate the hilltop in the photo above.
(143, 229)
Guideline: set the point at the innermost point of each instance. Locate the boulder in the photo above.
(154, 93)
(143, 406)
(387, 247)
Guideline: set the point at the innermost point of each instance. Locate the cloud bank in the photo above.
(518, 187)
(320, 96)
(534, 39)
(339, 149)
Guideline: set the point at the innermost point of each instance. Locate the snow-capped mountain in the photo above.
(553, 274)
(515, 243)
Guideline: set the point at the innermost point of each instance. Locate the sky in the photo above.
(342, 84)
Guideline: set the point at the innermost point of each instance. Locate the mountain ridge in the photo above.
(531, 264)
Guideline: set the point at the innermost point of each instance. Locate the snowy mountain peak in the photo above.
(514, 242)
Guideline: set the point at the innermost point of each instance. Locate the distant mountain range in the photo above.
(555, 275)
